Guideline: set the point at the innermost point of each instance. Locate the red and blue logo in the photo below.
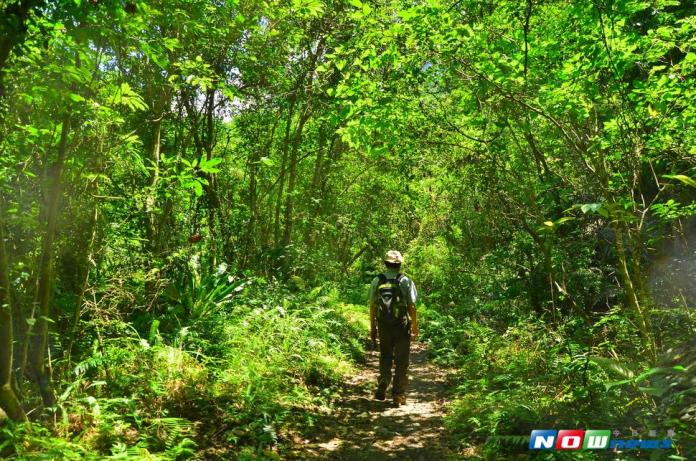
(591, 439)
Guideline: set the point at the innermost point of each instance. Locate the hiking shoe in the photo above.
(399, 400)
(380, 395)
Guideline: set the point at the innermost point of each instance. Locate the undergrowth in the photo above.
(533, 374)
(227, 385)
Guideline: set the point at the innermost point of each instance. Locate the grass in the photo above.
(516, 377)
(233, 384)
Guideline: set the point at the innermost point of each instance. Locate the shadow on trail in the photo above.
(362, 428)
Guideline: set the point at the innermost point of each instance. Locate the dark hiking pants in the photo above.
(394, 345)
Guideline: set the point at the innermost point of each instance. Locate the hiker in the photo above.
(392, 300)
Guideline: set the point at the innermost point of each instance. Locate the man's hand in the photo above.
(414, 321)
(414, 331)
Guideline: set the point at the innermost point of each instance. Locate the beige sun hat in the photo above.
(393, 257)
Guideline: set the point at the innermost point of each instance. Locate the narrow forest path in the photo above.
(362, 428)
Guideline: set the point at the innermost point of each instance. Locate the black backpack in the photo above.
(390, 300)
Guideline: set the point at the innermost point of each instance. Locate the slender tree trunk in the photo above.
(88, 251)
(9, 402)
(292, 179)
(211, 198)
(318, 182)
(525, 26)
(253, 195)
(635, 242)
(314, 202)
(152, 215)
(151, 200)
(299, 90)
(251, 224)
(85, 280)
(42, 298)
(621, 231)
(356, 256)
(316, 176)
(630, 288)
(281, 179)
(210, 124)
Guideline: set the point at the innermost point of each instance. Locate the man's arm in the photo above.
(373, 321)
(373, 312)
(414, 320)
(411, 295)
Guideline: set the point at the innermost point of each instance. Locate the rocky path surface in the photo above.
(362, 428)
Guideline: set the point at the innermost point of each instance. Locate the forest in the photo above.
(195, 196)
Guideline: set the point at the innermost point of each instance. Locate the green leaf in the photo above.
(195, 185)
(590, 207)
(653, 390)
(76, 97)
(154, 54)
(125, 96)
(308, 8)
(563, 219)
(208, 166)
(171, 43)
(623, 369)
(683, 178)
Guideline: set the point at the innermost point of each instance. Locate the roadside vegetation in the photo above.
(236, 383)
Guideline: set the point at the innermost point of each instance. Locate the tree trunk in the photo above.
(253, 195)
(42, 297)
(9, 402)
(318, 185)
(292, 179)
(13, 30)
(251, 224)
(281, 179)
(621, 231)
(85, 280)
(630, 289)
(211, 196)
(151, 200)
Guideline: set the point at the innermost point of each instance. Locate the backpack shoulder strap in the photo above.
(382, 279)
(399, 278)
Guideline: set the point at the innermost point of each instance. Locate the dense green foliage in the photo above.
(195, 194)
(243, 377)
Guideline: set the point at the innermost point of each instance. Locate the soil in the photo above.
(362, 428)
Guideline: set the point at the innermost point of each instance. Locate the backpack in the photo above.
(390, 300)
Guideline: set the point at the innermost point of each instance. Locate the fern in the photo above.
(88, 364)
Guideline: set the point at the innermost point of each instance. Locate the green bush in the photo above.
(238, 377)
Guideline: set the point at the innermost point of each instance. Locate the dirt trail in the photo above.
(362, 428)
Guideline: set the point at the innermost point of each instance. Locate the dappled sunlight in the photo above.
(364, 428)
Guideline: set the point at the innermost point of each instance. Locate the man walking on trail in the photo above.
(392, 301)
